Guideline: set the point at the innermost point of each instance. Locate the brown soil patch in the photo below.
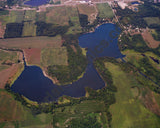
(31, 42)
(33, 55)
(7, 74)
(74, 49)
(150, 103)
(150, 40)
(2, 30)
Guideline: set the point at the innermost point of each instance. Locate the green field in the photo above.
(64, 15)
(152, 20)
(7, 57)
(128, 111)
(13, 17)
(30, 15)
(13, 114)
(29, 29)
(54, 56)
(105, 10)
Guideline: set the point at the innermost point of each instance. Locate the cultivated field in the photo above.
(89, 10)
(54, 56)
(64, 15)
(151, 42)
(9, 66)
(104, 10)
(152, 20)
(128, 111)
(13, 114)
(33, 56)
(31, 42)
(29, 29)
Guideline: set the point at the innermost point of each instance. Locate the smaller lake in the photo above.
(34, 85)
(36, 2)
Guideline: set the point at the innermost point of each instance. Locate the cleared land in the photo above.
(33, 56)
(152, 20)
(104, 10)
(89, 10)
(128, 111)
(31, 42)
(54, 56)
(151, 42)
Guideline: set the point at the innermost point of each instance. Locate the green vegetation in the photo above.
(48, 29)
(89, 122)
(86, 109)
(128, 111)
(77, 63)
(19, 115)
(104, 11)
(7, 59)
(29, 15)
(54, 56)
(152, 20)
(16, 17)
(8, 56)
(4, 12)
(13, 30)
(135, 42)
(29, 29)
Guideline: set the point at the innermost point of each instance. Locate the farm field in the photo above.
(31, 42)
(128, 111)
(89, 10)
(66, 14)
(54, 56)
(152, 20)
(9, 66)
(18, 115)
(151, 42)
(29, 29)
(104, 10)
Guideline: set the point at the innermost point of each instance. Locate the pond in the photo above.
(36, 2)
(34, 85)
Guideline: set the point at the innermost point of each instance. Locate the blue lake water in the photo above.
(36, 2)
(35, 86)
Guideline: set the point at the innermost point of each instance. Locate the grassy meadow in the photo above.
(7, 57)
(152, 20)
(54, 56)
(104, 10)
(128, 111)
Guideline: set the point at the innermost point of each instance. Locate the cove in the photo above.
(36, 2)
(34, 85)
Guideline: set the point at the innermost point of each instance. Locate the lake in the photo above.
(34, 85)
(36, 2)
